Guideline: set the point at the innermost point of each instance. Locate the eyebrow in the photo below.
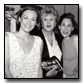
(28, 16)
(51, 17)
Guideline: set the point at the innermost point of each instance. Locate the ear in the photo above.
(72, 28)
(59, 27)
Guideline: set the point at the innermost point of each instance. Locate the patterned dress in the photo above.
(22, 66)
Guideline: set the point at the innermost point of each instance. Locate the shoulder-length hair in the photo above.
(72, 18)
(49, 10)
(20, 14)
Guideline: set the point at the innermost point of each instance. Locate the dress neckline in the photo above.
(22, 47)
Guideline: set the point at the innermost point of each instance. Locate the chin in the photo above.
(29, 30)
(64, 35)
(49, 30)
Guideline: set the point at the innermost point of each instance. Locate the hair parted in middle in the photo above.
(72, 18)
(20, 14)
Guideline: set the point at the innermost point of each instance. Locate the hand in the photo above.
(52, 72)
(44, 64)
(75, 69)
(47, 66)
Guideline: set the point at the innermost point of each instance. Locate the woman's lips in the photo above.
(65, 32)
(28, 26)
(48, 26)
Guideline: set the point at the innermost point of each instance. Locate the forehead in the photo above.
(66, 20)
(48, 16)
(30, 13)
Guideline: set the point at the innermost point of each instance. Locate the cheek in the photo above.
(70, 29)
(53, 24)
(44, 23)
(33, 23)
(62, 28)
(24, 21)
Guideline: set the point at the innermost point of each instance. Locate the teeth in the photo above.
(65, 32)
(48, 25)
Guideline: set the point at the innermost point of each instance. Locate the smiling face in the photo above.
(28, 20)
(48, 22)
(66, 27)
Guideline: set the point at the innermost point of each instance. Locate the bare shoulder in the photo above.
(40, 42)
(75, 37)
(39, 39)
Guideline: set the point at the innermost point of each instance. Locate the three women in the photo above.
(23, 60)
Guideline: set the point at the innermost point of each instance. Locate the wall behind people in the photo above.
(68, 8)
(73, 9)
(7, 25)
(16, 7)
(60, 8)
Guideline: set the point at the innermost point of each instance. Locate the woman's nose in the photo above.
(28, 21)
(48, 21)
(66, 28)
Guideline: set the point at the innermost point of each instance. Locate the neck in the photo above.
(48, 33)
(24, 35)
(66, 38)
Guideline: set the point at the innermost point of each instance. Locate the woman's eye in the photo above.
(33, 19)
(44, 19)
(25, 17)
(51, 19)
(63, 24)
(69, 25)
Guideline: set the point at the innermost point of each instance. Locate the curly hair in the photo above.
(72, 18)
(49, 10)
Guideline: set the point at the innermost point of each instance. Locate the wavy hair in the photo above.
(49, 10)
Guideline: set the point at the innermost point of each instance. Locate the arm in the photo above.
(40, 72)
(7, 73)
(75, 40)
(40, 68)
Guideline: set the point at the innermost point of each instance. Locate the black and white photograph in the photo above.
(41, 41)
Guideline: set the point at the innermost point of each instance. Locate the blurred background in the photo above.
(11, 12)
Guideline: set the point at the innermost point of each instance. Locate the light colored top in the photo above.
(53, 50)
(22, 66)
(13, 24)
(70, 60)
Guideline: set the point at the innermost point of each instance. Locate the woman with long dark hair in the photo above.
(68, 26)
